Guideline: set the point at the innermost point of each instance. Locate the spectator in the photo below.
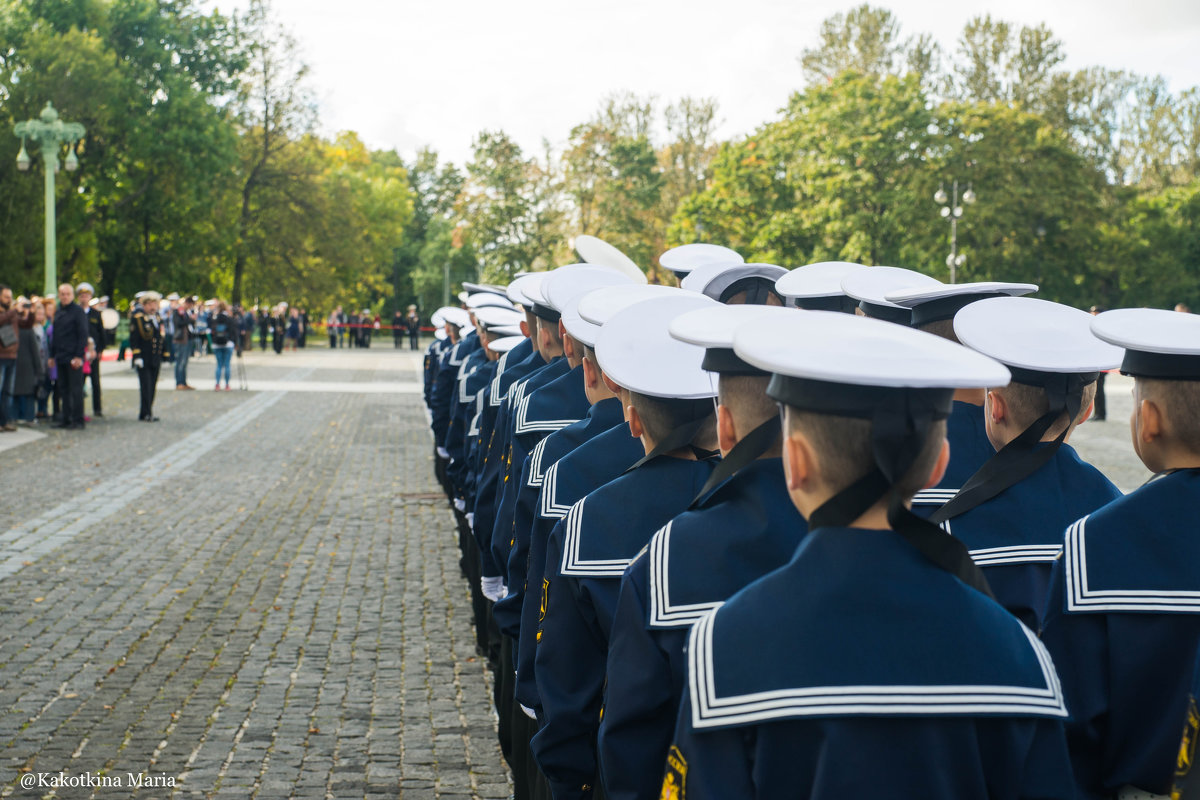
(399, 328)
(223, 330)
(43, 338)
(279, 327)
(67, 351)
(332, 325)
(183, 327)
(293, 330)
(303, 339)
(84, 292)
(10, 339)
(1182, 308)
(413, 323)
(31, 369)
(264, 324)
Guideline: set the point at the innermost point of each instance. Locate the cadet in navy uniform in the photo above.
(444, 383)
(873, 664)
(737, 284)
(747, 525)
(1123, 618)
(1012, 516)
(441, 342)
(672, 412)
(602, 458)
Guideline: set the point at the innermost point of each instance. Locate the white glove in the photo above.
(529, 712)
(493, 588)
(459, 504)
(471, 519)
(138, 363)
(443, 453)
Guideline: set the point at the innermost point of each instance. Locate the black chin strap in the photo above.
(898, 434)
(1021, 457)
(744, 453)
(680, 436)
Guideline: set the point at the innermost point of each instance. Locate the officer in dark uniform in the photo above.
(873, 664)
(745, 522)
(672, 412)
(1123, 618)
(146, 346)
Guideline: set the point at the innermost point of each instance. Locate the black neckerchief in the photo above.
(1022, 457)
(748, 449)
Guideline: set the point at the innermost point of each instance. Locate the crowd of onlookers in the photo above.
(356, 329)
(49, 348)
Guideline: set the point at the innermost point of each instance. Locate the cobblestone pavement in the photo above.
(258, 596)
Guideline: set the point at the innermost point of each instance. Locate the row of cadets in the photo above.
(494, 318)
(433, 353)
(560, 291)
(550, 398)
(609, 450)
(874, 663)
(746, 524)
(444, 388)
(521, 362)
(1011, 514)
(1123, 618)
(672, 412)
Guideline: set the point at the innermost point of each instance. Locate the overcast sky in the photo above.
(408, 73)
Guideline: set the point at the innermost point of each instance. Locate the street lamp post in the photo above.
(953, 212)
(50, 133)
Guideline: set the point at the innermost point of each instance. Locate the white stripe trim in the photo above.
(710, 711)
(525, 425)
(474, 429)
(551, 508)
(463, 396)
(662, 613)
(536, 473)
(572, 564)
(1016, 554)
(1081, 598)
(933, 497)
(494, 399)
(453, 354)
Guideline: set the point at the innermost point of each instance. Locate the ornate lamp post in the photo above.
(50, 133)
(952, 212)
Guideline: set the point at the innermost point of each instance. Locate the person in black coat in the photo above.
(67, 353)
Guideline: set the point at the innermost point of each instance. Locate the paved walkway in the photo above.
(257, 596)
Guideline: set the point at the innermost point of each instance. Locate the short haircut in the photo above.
(746, 398)
(660, 415)
(589, 353)
(1180, 403)
(551, 328)
(1026, 404)
(843, 448)
(4, 286)
(942, 327)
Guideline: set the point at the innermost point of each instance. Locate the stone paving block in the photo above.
(275, 611)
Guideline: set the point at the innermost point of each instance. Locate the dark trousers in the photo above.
(1101, 410)
(96, 409)
(414, 340)
(332, 339)
(72, 392)
(147, 383)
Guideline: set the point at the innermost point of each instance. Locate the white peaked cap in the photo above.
(598, 306)
(636, 350)
(493, 316)
(714, 326)
(562, 285)
(685, 258)
(860, 351)
(600, 253)
(1158, 343)
(516, 290)
(823, 279)
(713, 279)
(505, 344)
(487, 299)
(873, 284)
(1037, 335)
